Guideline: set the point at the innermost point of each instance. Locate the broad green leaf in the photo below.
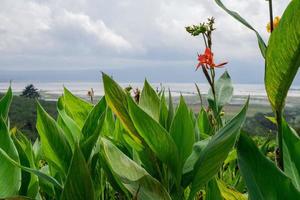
(10, 180)
(30, 170)
(76, 108)
(137, 181)
(30, 184)
(192, 159)
(163, 113)
(109, 123)
(56, 148)
(89, 126)
(291, 153)
(213, 191)
(149, 101)
(204, 125)
(116, 99)
(111, 178)
(5, 102)
(79, 183)
(92, 128)
(230, 193)
(232, 156)
(214, 154)
(88, 143)
(223, 90)
(283, 56)
(182, 131)
(235, 15)
(171, 111)
(263, 179)
(69, 126)
(156, 137)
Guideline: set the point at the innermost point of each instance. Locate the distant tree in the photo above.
(30, 92)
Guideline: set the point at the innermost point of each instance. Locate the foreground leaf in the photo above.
(263, 179)
(10, 175)
(116, 99)
(92, 128)
(156, 137)
(212, 191)
(5, 102)
(283, 56)
(30, 184)
(30, 170)
(77, 108)
(149, 101)
(223, 90)
(138, 182)
(214, 154)
(229, 193)
(79, 183)
(291, 153)
(182, 131)
(55, 146)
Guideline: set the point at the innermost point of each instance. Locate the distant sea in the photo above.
(51, 89)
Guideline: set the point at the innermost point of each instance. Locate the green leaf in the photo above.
(76, 108)
(30, 184)
(191, 161)
(149, 101)
(182, 132)
(163, 114)
(138, 182)
(156, 137)
(56, 148)
(214, 154)
(116, 99)
(5, 102)
(235, 15)
(171, 111)
(10, 180)
(70, 127)
(283, 56)
(92, 128)
(79, 183)
(223, 89)
(230, 193)
(30, 170)
(89, 126)
(204, 125)
(263, 179)
(213, 191)
(291, 153)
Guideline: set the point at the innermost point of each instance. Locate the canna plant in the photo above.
(116, 149)
(282, 60)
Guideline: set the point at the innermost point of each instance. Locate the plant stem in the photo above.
(271, 15)
(279, 150)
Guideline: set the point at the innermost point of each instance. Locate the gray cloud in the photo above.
(81, 34)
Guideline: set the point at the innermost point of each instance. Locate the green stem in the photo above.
(279, 151)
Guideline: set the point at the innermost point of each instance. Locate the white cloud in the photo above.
(100, 32)
(98, 29)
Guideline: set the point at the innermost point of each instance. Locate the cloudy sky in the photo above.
(129, 38)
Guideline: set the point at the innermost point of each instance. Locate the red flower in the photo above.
(207, 60)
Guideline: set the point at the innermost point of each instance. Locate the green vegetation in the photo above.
(22, 114)
(125, 147)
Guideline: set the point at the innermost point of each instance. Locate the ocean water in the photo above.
(187, 89)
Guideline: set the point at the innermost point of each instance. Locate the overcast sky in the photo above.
(140, 37)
